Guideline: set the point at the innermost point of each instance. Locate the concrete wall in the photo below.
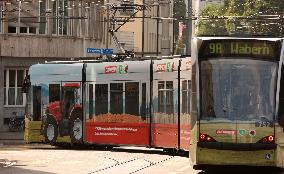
(44, 46)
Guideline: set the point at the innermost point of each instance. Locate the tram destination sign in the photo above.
(259, 49)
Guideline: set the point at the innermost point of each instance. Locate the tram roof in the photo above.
(241, 38)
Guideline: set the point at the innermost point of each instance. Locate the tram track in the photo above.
(126, 164)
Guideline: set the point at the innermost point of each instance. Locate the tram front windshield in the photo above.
(238, 89)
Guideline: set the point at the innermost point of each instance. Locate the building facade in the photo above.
(34, 31)
(158, 28)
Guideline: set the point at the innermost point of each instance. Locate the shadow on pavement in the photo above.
(18, 170)
(126, 149)
(242, 170)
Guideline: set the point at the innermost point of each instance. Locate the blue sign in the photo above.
(94, 50)
(107, 51)
(99, 51)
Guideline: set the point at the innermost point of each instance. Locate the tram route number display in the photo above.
(240, 48)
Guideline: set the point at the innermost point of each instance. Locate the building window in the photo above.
(12, 29)
(23, 29)
(42, 19)
(129, 9)
(13, 82)
(32, 30)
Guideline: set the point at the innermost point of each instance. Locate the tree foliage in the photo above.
(256, 18)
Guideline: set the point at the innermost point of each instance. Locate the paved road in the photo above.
(127, 160)
(45, 159)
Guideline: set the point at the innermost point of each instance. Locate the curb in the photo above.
(12, 142)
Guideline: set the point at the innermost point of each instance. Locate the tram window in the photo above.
(169, 97)
(132, 98)
(161, 87)
(36, 103)
(184, 96)
(91, 103)
(101, 101)
(143, 105)
(116, 98)
(54, 92)
(188, 98)
(281, 100)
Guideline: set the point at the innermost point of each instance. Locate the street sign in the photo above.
(94, 50)
(107, 51)
(99, 51)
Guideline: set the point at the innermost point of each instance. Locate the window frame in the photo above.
(6, 88)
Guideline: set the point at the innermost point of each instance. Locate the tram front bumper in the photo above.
(206, 156)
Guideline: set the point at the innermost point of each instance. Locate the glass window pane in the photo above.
(11, 96)
(101, 99)
(91, 103)
(54, 92)
(116, 98)
(36, 103)
(132, 98)
(12, 77)
(184, 96)
(169, 97)
(20, 78)
(5, 96)
(188, 98)
(161, 96)
(144, 97)
(19, 100)
(5, 72)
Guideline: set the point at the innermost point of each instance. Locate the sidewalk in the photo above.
(12, 138)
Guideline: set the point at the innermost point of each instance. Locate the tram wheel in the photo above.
(76, 127)
(50, 130)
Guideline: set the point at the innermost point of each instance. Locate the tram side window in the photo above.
(116, 98)
(36, 103)
(169, 97)
(91, 103)
(281, 100)
(161, 87)
(143, 104)
(188, 97)
(101, 99)
(54, 92)
(132, 98)
(184, 96)
(165, 97)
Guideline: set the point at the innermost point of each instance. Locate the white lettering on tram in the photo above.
(115, 129)
(255, 50)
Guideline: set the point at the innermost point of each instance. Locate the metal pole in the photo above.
(158, 15)
(143, 28)
(189, 29)
(19, 19)
(107, 33)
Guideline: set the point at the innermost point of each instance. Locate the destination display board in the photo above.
(260, 49)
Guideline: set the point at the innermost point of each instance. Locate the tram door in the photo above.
(165, 102)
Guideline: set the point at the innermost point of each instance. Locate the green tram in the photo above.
(237, 102)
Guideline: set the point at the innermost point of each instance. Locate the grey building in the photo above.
(33, 31)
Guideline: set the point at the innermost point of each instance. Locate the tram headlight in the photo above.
(206, 138)
(267, 140)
